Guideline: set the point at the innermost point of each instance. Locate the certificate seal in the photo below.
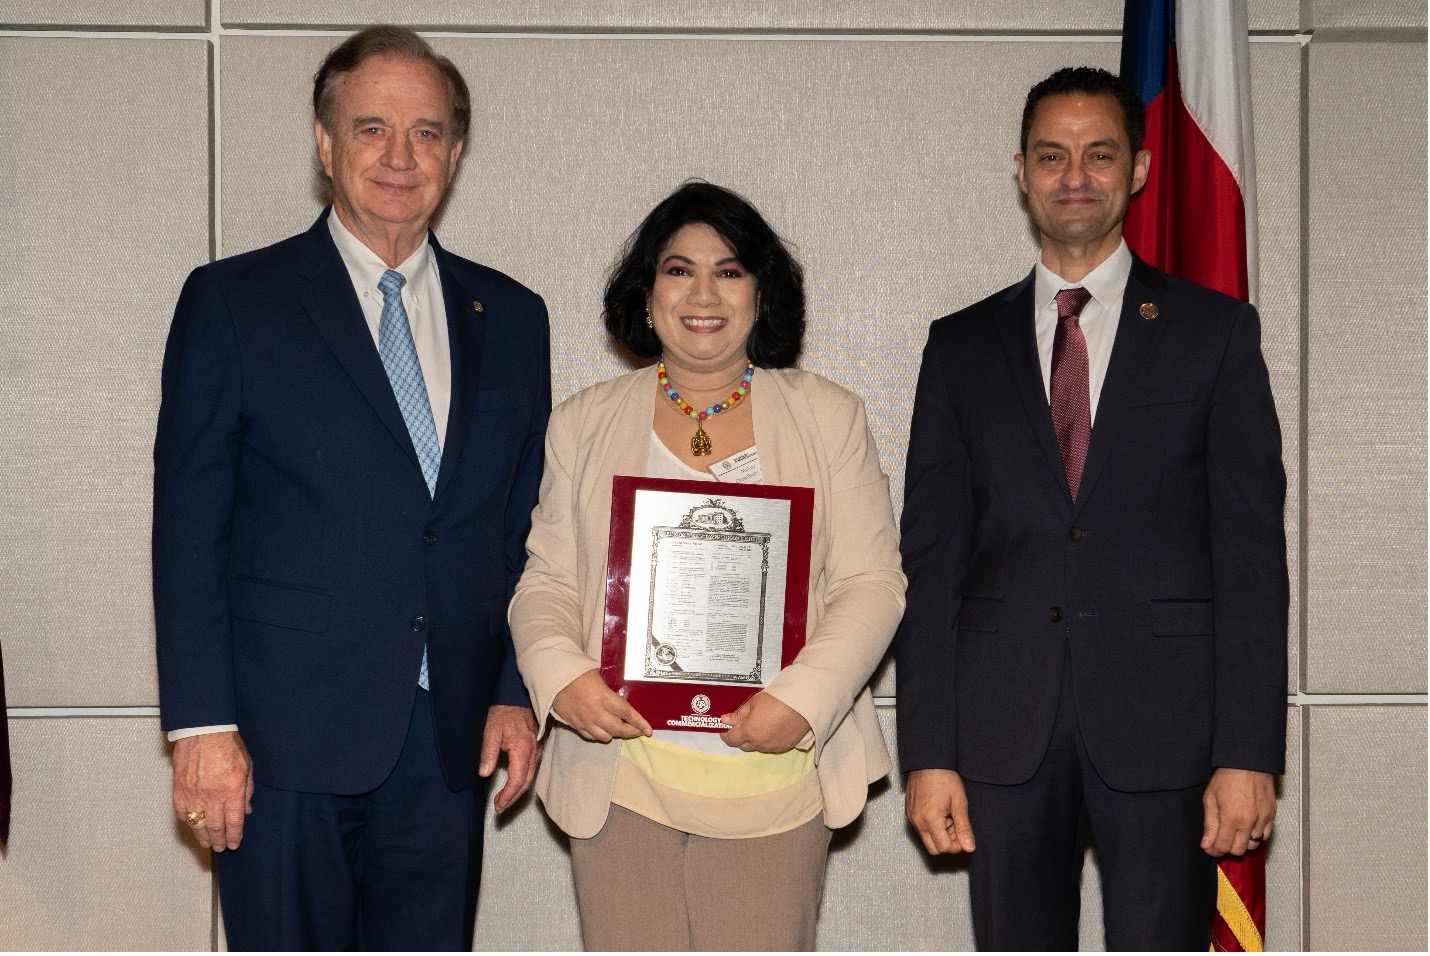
(700, 704)
(665, 653)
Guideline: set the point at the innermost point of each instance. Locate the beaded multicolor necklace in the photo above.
(700, 442)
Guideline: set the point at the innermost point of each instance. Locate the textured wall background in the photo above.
(141, 138)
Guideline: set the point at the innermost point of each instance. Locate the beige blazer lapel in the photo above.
(784, 459)
(628, 434)
(788, 452)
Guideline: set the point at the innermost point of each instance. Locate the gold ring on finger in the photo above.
(195, 817)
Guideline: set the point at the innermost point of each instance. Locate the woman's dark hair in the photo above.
(778, 333)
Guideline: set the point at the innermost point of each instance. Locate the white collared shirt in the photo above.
(426, 311)
(427, 316)
(1098, 321)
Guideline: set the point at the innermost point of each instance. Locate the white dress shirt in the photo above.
(1098, 320)
(426, 314)
(426, 311)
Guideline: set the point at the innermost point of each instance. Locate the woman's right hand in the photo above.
(596, 712)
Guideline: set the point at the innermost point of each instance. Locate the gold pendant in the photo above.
(700, 443)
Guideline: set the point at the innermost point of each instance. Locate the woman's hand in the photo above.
(766, 724)
(596, 712)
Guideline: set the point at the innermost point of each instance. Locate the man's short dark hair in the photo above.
(1090, 81)
(778, 334)
(394, 41)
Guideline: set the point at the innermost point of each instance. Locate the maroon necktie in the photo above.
(1068, 392)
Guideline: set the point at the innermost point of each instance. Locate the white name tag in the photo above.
(741, 468)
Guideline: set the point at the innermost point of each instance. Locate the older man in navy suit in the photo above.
(1095, 641)
(349, 448)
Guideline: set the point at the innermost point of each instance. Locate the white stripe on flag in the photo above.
(1214, 65)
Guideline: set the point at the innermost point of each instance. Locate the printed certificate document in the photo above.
(706, 594)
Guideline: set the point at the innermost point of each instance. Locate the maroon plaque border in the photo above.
(662, 701)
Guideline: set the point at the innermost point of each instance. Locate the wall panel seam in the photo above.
(1300, 699)
(1305, 882)
(186, 33)
(1292, 700)
(215, 30)
(1303, 507)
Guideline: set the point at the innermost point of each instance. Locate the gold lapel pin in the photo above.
(477, 306)
(1149, 310)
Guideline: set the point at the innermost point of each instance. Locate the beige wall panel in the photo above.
(1366, 403)
(528, 902)
(1367, 13)
(1367, 794)
(103, 13)
(106, 210)
(96, 859)
(882, 891)
(1285, 879)
(1276, 113)
(593, 15)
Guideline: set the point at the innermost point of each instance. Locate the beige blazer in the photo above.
(810, 432)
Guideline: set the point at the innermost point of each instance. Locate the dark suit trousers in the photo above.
(393, 869)
(1158, 887)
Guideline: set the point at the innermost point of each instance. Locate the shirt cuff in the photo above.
(183, 732)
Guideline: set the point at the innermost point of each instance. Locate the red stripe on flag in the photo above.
(1189, 219)
(1247, 876)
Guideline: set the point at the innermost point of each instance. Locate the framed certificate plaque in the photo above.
(707, 594)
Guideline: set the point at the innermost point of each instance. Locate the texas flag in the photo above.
(1196, 218)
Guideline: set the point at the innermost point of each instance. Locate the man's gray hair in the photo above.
(394, 41)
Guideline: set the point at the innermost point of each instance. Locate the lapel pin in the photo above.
(1148, 310)
(477, 306)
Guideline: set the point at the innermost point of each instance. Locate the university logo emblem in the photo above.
(700, 704)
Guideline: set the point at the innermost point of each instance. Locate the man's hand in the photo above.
(936, 805)
(213, 777)
(1240, 806)
(511, 729)
(766, 724)
(596, 712)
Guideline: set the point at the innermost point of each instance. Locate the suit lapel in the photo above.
(1018, 332)
(1132, 350)
(332, 305)
(465, 337)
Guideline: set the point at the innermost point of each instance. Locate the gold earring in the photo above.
(649, 322)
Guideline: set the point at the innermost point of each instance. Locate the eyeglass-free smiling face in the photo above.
(702, 305)
(390, 153)
(1079, 173)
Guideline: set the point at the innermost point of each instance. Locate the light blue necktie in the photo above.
(399, 359)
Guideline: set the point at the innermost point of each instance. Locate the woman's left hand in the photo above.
(765, 724)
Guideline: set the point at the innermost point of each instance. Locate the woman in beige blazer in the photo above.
(704, 841)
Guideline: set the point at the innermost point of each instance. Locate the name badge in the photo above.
(741, 468)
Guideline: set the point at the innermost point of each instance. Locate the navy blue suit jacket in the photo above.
(1163, 586)
(300, 565)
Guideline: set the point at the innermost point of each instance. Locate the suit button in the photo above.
(418, 623)
(429, 538)
(1075, 534)
(1054, 614)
